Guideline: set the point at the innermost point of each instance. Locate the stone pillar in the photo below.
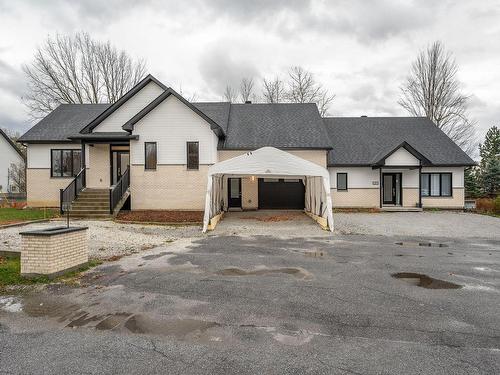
(53, 251)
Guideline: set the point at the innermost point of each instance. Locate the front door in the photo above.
(120, 163)
(234, 192)
(391, 186)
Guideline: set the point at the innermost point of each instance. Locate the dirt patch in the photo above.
(423, 244)
(425, 281)
(296, 272)
(357, 210)
(274, 218)
(166, 217)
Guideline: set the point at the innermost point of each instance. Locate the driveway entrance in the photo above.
(269, 223)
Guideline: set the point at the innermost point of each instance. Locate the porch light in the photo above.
(252, 178)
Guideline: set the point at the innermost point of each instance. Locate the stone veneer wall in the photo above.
(51, 252)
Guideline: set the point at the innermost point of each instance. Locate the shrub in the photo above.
(497, 205)
(485, 205)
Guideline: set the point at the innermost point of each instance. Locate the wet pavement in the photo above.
(350, 304)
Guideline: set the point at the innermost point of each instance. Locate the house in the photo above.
(9, 154)
(153, 149)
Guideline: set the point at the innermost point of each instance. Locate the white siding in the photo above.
(357, 177)
(8, 156)
(402, 157)
(130, 108)
(39, 154)
(171, 124)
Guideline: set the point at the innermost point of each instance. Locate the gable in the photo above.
(115, 121)
(171, 124)
(401, 157)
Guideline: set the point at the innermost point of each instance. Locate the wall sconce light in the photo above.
(252, 178)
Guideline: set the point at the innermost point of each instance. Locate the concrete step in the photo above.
(90, 216)
(92, 199)
(80, 207)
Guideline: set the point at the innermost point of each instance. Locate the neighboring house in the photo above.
(163, 146)
(9, 154)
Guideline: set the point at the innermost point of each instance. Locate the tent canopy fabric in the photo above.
(267, 162)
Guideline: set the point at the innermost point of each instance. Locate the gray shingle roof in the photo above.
(65, 121)
(282, 125)
(217, 111)
(365, 140)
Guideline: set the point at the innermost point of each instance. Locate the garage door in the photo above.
(281, 194)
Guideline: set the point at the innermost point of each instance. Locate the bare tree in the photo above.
(324, 101)
(17, 178)
(78, 69)
(303, 88)
(230, 94)
(246, 89)
(273, 90)
(433, 90)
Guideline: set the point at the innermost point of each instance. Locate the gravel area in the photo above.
(107, 238)
(433, 224)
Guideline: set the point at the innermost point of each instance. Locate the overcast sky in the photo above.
(360, 50)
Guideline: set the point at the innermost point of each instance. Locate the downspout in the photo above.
(380, 187)
(420, 186)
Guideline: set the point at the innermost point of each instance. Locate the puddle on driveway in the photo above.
(156, 256)
(75, 316)
(425, 281)
(233, 271)
(112, 321)
(314, 254)
(179, 328)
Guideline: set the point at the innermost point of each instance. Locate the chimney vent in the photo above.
(248, 102)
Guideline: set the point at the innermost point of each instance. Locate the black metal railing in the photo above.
(117, 192)
(70, 193)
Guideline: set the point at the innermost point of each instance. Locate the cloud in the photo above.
(219, 67)
(11, 80)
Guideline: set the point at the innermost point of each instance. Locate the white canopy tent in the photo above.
(271, 162)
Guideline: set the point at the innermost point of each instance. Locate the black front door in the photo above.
(392, 188)
(234, 192)
(120, 161)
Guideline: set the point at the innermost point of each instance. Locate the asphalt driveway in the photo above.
(271, 304)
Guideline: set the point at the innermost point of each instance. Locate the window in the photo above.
(150, 155)
(193, 155)
(436, 185)
(65, 163)
(341, 181)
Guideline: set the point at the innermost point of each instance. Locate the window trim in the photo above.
(346, 183)
(187, 156)
(61, 150)
(145, 156)
(440, 195)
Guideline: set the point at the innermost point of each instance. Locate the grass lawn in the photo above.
(10, 273)
(14, 215)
